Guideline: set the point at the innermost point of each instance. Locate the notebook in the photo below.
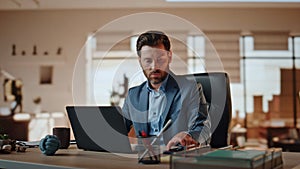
(99, 128)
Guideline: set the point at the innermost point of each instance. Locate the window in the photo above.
(195, 52)
(269, 80)
(259, 75)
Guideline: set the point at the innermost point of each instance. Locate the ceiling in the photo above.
(115, 4)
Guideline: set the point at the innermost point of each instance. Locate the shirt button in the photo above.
(154, 113)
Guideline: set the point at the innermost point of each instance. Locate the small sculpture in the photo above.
(49, 145)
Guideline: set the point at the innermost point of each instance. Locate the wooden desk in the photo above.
(74, 158)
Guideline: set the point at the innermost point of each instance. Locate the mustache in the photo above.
(155, 71)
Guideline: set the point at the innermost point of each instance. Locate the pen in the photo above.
(162, 130)
(226, 148)
(154, 140)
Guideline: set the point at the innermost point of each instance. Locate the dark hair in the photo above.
(152, 38)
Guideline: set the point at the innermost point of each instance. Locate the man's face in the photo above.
(155, 63)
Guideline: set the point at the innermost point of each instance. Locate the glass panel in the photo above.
(196, 65)
(195, 46)
(269, 92)
(195, 51)
(297, 46)
(298, 90)
(297, 64)
(250, 52)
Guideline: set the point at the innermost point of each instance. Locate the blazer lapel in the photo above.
(143, 99)
(171, 90)
(143, 104)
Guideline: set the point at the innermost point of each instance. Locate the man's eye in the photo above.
(148, 61)
(160, 60)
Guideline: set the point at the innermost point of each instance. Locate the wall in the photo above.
(69, 28)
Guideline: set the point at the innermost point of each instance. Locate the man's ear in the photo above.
(170, 55)
(139, 58)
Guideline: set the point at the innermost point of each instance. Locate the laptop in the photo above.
(99, 128)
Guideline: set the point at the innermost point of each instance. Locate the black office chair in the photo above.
(216, 88)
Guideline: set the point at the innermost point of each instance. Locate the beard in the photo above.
(156, 76)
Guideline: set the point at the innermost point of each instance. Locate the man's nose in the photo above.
(154, 65)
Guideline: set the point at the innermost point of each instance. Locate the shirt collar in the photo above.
(162, 87)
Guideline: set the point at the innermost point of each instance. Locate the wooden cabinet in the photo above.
(17, 130)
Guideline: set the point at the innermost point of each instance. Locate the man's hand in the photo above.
(183, 138)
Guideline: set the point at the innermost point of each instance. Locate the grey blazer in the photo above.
(186, 107)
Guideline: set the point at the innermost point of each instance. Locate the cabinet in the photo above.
(17, 130)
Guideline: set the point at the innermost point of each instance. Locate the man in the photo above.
(164, 96)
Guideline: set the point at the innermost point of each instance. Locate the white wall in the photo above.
(69, 28)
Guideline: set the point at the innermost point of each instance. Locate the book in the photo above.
(276, 154)
(252, 159)
(230, 159)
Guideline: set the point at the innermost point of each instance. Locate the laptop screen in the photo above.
(99, 128)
